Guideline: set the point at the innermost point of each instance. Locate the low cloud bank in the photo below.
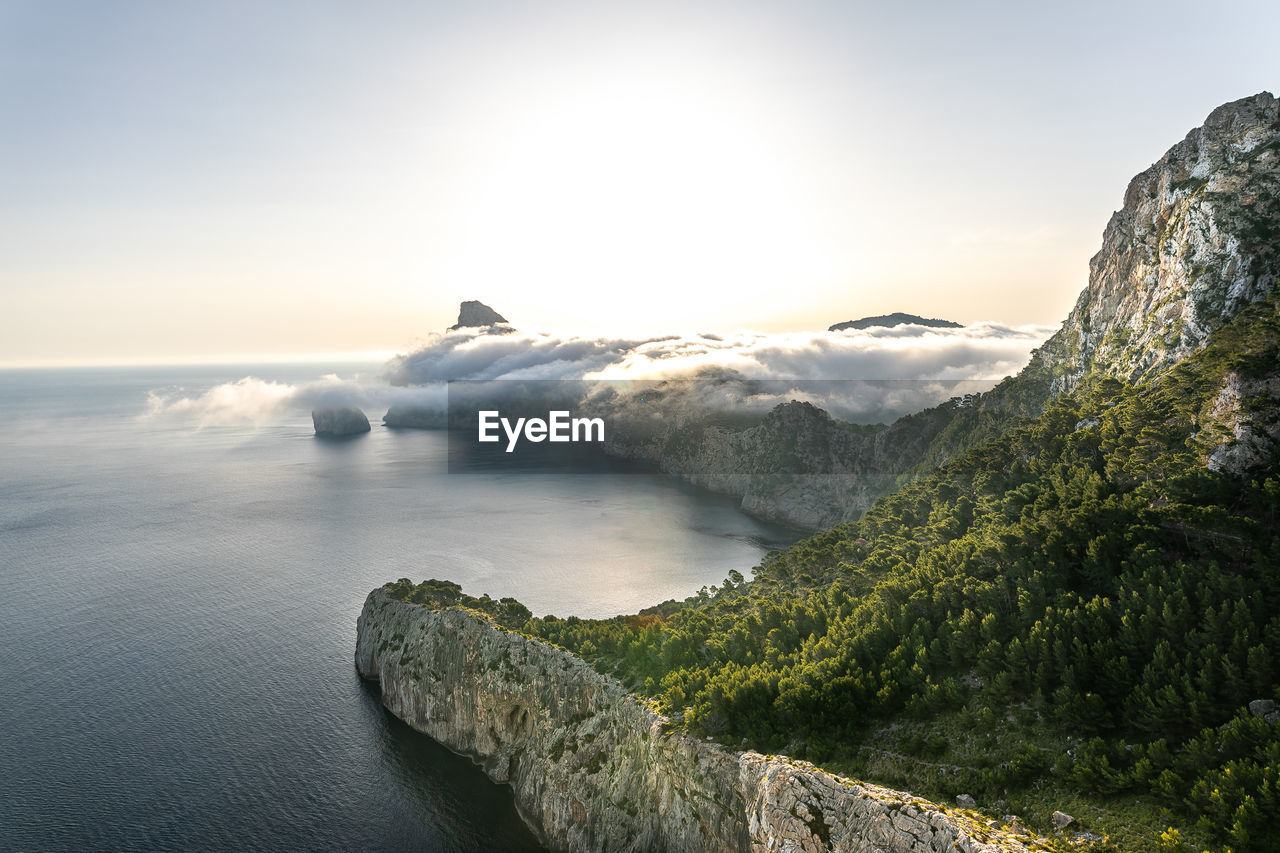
(980, 351)
(259, 402)
(983, 351)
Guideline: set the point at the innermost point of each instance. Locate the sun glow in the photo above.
(633, 192)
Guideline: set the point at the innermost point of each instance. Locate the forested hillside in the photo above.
(1075, 614)
(1079, 606)
(1072, 601)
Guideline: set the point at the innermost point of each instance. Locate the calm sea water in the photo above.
(178, 608)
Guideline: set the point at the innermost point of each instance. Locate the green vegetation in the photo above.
(436, 594)
(1072, 614)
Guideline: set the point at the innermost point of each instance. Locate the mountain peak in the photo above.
(475, 314)
(1197, 240)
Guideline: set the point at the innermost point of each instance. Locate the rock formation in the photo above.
(897, 318)
(473, 314)
(339, 421)
(593, 768)
(1198, 239)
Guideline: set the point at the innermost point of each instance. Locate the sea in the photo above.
(178, 603)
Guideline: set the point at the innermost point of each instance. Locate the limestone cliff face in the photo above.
(594, 769)
(1198, 238)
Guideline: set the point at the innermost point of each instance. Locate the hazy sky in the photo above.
(183, 180)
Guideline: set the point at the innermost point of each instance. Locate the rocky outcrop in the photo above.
(1197, 240)
(339, 421)
(897, 318)
(1246, 416)
(593, 768)
(473, 314)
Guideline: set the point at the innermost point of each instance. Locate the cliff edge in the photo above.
(595, 769)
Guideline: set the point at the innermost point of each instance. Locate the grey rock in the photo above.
(965, 801)
(1249, 439)
(339, 421)
(1262, 707)
(1272, 718)
(1185, 254)
(1061, 820)
(593, 768)
(474, 314)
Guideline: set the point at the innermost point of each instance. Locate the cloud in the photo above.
(979, 351)
(259, 402)
(725, 364)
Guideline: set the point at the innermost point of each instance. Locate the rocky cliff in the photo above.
(594, 769)
(1198, 239)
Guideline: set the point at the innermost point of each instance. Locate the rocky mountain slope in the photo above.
(1198, 239)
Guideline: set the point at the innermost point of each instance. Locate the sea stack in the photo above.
(339, 421)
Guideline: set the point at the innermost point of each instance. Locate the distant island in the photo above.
(897, 318)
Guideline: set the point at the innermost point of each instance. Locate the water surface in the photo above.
(178, 606)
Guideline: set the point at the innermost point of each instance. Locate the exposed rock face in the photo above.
(339, 421)
(473, 314)
(593, 769)
(897, 318)
(1252, 430)
(1198, 238)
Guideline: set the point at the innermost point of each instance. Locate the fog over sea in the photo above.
(178, 609)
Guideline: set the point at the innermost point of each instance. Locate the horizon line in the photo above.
(370, 356)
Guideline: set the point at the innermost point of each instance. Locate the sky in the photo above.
(186, 181)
